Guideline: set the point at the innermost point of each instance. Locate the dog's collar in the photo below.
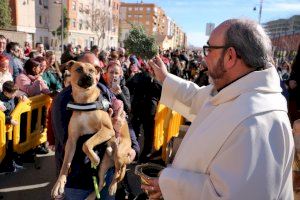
(101, 104)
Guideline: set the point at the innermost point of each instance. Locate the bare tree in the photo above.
(98, 23)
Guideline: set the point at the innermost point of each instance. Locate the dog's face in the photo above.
(83, 75)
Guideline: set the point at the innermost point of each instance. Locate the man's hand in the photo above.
(159, 68)
(14, 122)
(131, 155)
(152, 189)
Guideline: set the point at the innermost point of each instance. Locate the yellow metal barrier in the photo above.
(31, 116)
(2, 136)
(172, 131)
(161, 121)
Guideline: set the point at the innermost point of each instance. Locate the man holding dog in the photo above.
(239, 145)
(78, 185)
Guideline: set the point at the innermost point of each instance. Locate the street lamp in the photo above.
(62, 24)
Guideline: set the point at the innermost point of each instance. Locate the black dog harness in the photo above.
(101, 104)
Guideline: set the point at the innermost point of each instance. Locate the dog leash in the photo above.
(96, 187)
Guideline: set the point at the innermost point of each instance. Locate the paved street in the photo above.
(33, 183)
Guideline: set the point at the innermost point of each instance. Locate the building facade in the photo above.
(285, 35)
(91, 22)
(155, 22)
(23, 22)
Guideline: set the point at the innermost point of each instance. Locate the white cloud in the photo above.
(197, 39)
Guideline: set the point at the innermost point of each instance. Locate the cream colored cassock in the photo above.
(239, 145)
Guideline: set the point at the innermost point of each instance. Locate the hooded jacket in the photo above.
(239, 145)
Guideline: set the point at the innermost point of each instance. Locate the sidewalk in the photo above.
(30, 183)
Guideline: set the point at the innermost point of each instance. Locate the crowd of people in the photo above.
(26, 72)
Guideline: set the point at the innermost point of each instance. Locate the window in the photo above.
(73, 23)
(40, 19)
(140, 16)
(141, 8)
(45, 3)
(129, 8)
(73, 5)
(136, 16)
(129, 16)
(81, 7)
(147, 22)
(80, 24)
(136, 8)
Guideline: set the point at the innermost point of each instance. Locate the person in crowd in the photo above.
(13, 50)
(95, 50)
(2, 44)
(114, 56)
(79, 184)
(176, 67)
(285, 71)
(79, 49)
(240, 143)
(5, 75)
(52, 65)
(145, 94)
(31, 81)
(7, 97)
(66, 79)
(294, 89)
(27, 49)
(202, 78)
(115, 81)
(8, 101)
(103, 57)
(40, 49)
(48, 76)
(68, 54)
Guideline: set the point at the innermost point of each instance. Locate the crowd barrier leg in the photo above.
(161, 121)
(3, 138)
(172, 131)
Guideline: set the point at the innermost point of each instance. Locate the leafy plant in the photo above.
(5, 14)
(140, 44)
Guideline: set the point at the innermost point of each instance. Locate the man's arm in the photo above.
(183, 96)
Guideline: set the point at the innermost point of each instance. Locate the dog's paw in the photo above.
(113, 189)
(59, 187)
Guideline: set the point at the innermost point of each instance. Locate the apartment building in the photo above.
(42, 22)
(115, 23)
(284, 34)
(155, 22)
(91, 22)
(23, 22)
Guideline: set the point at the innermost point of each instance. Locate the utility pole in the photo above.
(260, 10)
(62, 26)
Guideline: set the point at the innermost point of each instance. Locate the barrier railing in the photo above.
(2, 136)
(172, 131)
(31, 130)
(161, 123)
(167, 123)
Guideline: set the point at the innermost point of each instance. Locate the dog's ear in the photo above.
(69, 64)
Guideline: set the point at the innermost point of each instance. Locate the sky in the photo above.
(192, 15)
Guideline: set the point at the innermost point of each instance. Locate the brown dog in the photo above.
(85, 91)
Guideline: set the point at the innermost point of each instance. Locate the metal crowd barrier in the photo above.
(2, 136)
(173, 130)
(161, 121)
(167, 123)
(31, 130)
